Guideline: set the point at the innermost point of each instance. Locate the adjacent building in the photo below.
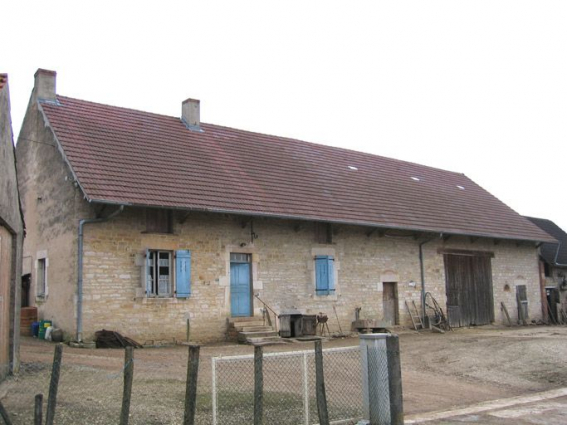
(553, 269)
(11, 237)
(139, 222)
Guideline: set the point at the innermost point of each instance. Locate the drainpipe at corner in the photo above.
(423, 272)
(82, 223)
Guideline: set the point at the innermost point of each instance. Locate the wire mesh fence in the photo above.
(289, 387)
(91, 387)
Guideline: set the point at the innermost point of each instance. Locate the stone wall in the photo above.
(52, 204)
(11, 235)
(283, 273)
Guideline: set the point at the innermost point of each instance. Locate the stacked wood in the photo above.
(28, 315)
(113, 339)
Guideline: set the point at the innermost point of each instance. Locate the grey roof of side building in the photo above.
(552, 253)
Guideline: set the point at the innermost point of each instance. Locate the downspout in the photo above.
(423, 272)
(82, 223)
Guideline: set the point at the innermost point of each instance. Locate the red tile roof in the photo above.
(131, 157)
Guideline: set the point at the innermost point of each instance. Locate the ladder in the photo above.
(415, 317)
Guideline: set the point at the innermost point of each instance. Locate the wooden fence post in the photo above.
(38, 410)
(191, 385)
(127, 391)
(54, 384)
(258, 386)
(4, 415)
(320, 385)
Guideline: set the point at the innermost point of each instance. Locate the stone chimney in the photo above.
(44, 88)
(190, 114)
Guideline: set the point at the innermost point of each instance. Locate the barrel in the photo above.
(43, 325)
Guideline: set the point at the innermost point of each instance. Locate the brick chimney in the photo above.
(44, 88)
(190, 114)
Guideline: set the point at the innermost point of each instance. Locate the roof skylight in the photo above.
(461, 187)
(416, 179)
(352, 167)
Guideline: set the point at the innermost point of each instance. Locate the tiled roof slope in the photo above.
(549, 250)
(126, 156)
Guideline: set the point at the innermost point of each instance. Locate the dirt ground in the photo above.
(439, 371)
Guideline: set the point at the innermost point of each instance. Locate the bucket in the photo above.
(35, 329)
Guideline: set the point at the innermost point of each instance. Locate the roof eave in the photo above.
(307, 218)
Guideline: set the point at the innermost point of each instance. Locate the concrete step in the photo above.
(243, 319)
(253, 328)
(271, 340)
(244, 336)
(240, 325)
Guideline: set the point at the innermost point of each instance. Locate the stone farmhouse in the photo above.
(142, 222)
(553, 268)
(11, 241)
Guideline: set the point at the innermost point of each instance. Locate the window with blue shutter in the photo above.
(324, 275)
(183, 273)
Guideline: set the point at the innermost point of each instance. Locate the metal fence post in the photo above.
(191, 389)
(214, 389)
(54, 384)
(320, 385)
(382, 379)
(258, 386)
(305, 389)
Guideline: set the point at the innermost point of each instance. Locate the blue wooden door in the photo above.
(240, 294)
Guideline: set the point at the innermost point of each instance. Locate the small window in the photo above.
(158, 221)
(323, 233)
(324, 275)
(547, 269)
(160, 279)
(41, 278)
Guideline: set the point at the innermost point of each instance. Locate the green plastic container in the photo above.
(43, 325)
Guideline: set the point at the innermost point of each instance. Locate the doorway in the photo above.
(390, 303)
(240, 285)
(469, 289)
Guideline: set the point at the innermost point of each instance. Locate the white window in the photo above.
(41, 278)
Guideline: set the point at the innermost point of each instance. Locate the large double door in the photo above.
(469, 289)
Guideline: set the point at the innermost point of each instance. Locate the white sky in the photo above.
(478, 87)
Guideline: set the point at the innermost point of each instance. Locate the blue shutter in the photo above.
(331, 274)
(183, 273)
(322, 275)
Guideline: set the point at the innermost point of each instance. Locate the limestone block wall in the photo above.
(282, 269)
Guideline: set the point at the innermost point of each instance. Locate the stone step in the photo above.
(252, 328)
(244, 336)
(243, 319)
(240, 325)
(271, 340)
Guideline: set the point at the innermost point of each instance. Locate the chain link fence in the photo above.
(91, 386)
(289, 387)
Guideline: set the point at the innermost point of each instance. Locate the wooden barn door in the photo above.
(469, 290)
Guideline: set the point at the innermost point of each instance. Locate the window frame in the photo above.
(41, 271)
(151, 273)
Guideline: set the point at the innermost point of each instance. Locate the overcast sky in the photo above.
(478, 87)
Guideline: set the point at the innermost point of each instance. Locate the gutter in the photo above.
(423, 271)
(82, 223)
